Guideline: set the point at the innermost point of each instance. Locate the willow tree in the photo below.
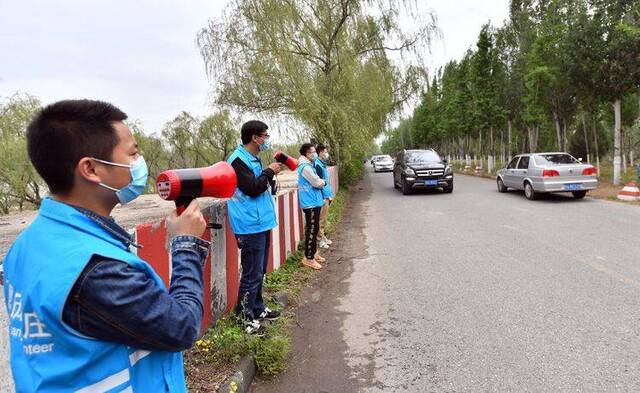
(19, 181)
(326, 63)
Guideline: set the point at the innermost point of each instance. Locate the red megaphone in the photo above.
(282, 158)
(184, 185)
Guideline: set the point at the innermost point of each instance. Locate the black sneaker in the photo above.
(254, 328)
(269, 315)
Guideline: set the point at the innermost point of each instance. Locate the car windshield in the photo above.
(383, 158)
(422, 156)
(555, 159)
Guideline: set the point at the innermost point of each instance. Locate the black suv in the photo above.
(422, 169)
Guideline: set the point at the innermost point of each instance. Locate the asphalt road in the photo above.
(473, 291)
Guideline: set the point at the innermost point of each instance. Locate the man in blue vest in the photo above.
(320, 164)
(252, 216)
(86, 313)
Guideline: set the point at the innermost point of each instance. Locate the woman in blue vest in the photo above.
(86, 313)
(310, 187)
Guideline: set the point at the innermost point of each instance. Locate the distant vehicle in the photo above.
(547, 172)
(373, 158)
(416, 169)
(383, 163)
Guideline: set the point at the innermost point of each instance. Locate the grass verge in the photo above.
(213, 357)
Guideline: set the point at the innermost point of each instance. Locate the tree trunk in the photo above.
(586, 136)
(565, 142)
(501, 146)
(490, 160)
(624, 148)
(556, 121)
(509, 139)
(616, 141)
(533, 139)
(595, 144)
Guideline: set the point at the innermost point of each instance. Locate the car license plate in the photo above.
(573, 186)
(431, 182)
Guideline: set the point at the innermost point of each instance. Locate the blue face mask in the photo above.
(314, 156)
(139, 173)
(265, 145)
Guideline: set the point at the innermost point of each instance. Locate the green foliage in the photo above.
(226, 342)
(336, 210)
(323, 63)
(19, 182)
(544, 80)
(186, 141)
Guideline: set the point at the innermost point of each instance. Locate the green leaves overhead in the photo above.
(554, 68)
(325, 63)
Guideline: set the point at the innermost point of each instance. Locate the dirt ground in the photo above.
(318, 320)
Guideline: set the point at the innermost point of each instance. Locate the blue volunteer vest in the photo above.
(46, 354)
(327, 191)
(308, 195)
(247, 214)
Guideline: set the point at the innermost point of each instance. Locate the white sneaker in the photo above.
(254, 328)
(323, 244)
(325, 240)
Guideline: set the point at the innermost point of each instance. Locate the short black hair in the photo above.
(305, 148)
(320, 148)
(251, 128)
(64, 132)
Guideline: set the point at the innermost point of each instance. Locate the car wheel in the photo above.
(579, 194)
(448, 190)
(501, 186)
(406, 189)
(529, 192)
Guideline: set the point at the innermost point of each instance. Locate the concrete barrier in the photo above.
(630, 192)
(222, 268)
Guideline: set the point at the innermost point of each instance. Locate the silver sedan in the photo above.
(383, 164)
(547, 172)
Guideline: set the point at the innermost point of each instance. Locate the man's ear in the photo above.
(87, 170)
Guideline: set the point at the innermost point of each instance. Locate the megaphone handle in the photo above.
(182, 203)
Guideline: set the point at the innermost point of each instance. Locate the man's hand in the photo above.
(190, 223)
(330, 200)
(276, 167)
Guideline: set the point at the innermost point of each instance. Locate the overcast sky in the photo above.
(141, 55)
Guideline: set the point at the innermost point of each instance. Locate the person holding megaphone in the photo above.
(252, 216)
(86, 313)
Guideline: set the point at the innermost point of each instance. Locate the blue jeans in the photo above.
(254, 258)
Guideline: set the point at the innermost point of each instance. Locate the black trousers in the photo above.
(312, 226)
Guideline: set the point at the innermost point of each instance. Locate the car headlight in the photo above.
(409, 172)
(448, 170)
